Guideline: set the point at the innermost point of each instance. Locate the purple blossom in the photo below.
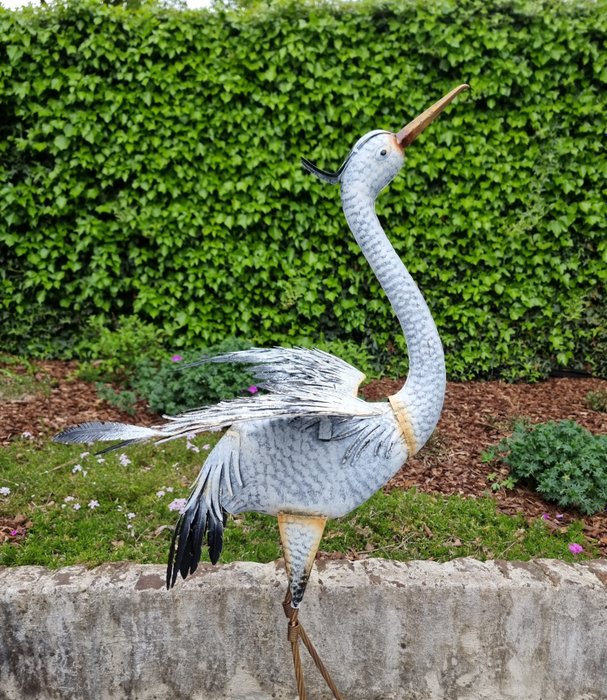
(191, 446)
(559, 516)
(160, 494)
(575, 548)
(178, 504)
(14, 533)
(546, 516)
(252, 389)
(176, 358)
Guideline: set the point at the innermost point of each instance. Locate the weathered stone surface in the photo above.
(464, 630)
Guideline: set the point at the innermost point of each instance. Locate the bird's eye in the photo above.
(383, 152)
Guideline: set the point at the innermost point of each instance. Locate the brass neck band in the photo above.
(404, 422)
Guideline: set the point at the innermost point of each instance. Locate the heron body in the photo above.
(310, 449)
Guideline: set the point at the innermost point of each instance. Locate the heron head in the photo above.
(378, 156)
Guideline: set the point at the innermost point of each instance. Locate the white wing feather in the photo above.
(300, 382)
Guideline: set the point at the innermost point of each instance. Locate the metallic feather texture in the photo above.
(300, 383)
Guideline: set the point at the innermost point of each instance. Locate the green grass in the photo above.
(133, 523)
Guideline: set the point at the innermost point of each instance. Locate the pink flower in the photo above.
(575, 548)
(546, 516)
(252, 389)
(14, 533)
(176, 358)
(559, 516)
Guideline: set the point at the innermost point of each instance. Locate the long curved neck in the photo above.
(424, 390)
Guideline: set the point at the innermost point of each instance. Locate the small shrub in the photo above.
(115, 354)
(596, 400)
(169, 387)
(123, 400)
(562, 460)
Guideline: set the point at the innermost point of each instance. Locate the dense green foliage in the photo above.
(84, 511)
(562, 460)
(149, 165)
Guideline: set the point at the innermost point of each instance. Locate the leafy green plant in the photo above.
(116, 353)
(562, 460)
(18, 378)
(123, 400)
(496, 483)
(171, 387)
(596, 400)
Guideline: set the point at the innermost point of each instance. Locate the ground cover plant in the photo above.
(566, 463)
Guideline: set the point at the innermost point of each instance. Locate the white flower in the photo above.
(84, 454)
(5, 491)
(130, 516)
(206, 447)
(169, 489)
(76, 506)
(27, 435)
(100, 460)
(76, 468)
(124, 460)
(191, 446)
(93, 504)
(160, 493)
(69, 499)
(178, 504)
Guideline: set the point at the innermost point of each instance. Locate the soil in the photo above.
(476, 415)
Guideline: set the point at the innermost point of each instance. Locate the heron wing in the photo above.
(299, 383)
(289, 370)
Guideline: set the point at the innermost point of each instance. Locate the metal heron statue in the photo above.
(309, 449)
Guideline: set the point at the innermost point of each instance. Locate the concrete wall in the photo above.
(386, 630)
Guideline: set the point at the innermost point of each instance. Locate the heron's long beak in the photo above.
(409, 133)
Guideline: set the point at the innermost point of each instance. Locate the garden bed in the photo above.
(476, 415)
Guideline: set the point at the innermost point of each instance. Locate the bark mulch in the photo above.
(476, 415)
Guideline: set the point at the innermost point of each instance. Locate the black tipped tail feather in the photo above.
(185, 551)
(204, 516)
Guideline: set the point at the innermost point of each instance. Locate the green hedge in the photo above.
(150, 165)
